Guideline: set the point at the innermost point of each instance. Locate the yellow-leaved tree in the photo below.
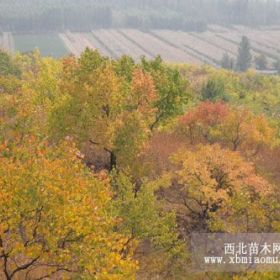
(55, 219)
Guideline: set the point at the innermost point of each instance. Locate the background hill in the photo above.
(82, 15)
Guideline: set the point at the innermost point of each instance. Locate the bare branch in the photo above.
(23, 267)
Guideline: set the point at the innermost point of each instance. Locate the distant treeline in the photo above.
(83, 15)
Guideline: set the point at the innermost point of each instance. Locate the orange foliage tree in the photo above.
(237, 128)
(218, 190)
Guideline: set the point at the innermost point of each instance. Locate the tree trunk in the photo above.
(113, 161)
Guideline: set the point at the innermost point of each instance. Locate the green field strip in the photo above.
(48, 44)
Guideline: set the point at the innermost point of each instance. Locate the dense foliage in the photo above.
(107, 166)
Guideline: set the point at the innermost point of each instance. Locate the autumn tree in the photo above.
(101, 113)
(217, 190)
(246, 132)
(198, 123)
(238, 128)
(106, 104)
(55, 217)
(90, 107)
(26, 102)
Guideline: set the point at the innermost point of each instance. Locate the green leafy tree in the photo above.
(261, 62)
(214, 90)
(146, 220)
(124, 67)
(171, 89)
(244, 57)
(277, 65)
(7, 66)
(227, 62)
(89, 61)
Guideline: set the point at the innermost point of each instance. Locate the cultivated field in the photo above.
(176, 46)
(173, 46)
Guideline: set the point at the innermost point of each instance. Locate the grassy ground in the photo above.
(48, 44)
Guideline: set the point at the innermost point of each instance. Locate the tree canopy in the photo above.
(107, 166)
